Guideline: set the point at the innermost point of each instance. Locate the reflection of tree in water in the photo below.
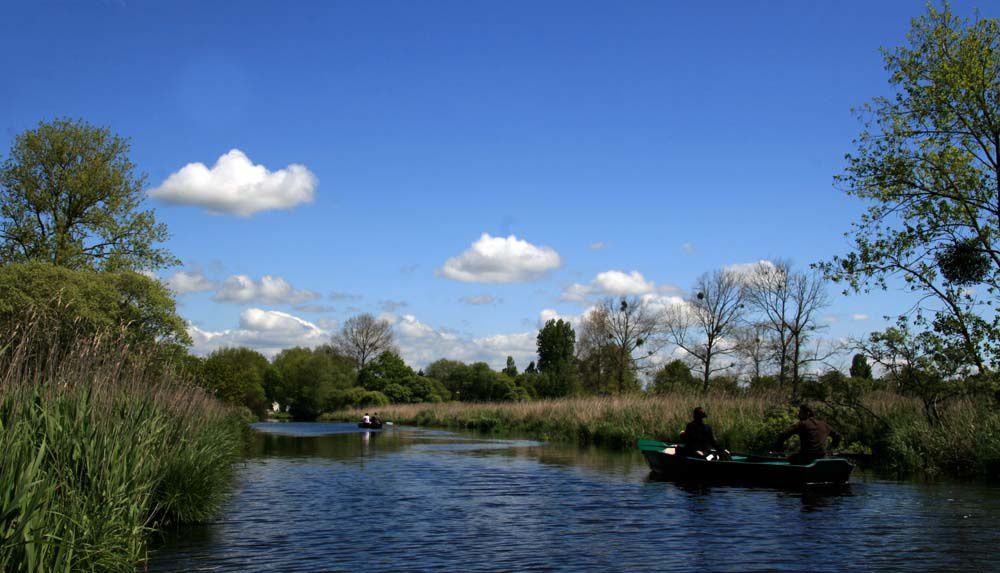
(341, 446)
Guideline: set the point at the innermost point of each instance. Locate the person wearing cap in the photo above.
(812, 433)
(697, 436)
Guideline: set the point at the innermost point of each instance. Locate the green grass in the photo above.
(965, 444)
(96, 452)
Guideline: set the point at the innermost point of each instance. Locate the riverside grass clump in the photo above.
(893, 428)
(98, 447)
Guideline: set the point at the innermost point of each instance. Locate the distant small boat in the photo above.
(370, 425)
(666, 461)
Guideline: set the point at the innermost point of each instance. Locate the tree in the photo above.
(70, 196)
(89, 303)
(918, 364)
(364, 337)
(789, 303)
(706, 323)
(556, 342)
(387, 369)
(623, 332)
(675, 375)
(755, 345)
(928, 164)
(236, 376)
(511, 368)
(860, 367)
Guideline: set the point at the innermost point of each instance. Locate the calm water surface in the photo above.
(328, 497)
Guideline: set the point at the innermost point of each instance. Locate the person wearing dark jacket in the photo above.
(697, 437)
(813, 434)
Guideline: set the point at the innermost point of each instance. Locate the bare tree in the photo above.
(622, 334)
(706, 324)
(789, 303)
(756, 347)
(364, 337)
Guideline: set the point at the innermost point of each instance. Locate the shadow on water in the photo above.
(331, 497)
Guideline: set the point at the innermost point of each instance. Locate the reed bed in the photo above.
(97, 449)
(966, 443)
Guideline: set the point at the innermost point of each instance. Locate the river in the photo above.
(330, 497)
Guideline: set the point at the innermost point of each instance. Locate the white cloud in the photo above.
(183, 282)
(610, 283)
(234, 185)
(392, 305)
(420, 344)
(859, 316)
(748, 268)
(269, 289)
(599, 245)
(688, 248)
(267, 331)
(501, 260)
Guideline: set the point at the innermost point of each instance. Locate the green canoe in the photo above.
(666, 461)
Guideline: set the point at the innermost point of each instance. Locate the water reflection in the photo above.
(331, 497)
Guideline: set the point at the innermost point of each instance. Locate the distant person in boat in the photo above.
(366, 419)
(697, 436)
(376, 420)
(813, 434)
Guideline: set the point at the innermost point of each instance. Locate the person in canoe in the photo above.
(697, 437)
(813, 434)
(366, 419)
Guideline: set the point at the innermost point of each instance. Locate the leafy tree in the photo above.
(531, 369)
(69, 195)
(387, 369)
(675, 375)
(454, 375)
(860, 367)
(511, 368)
(86, 303)
(927, 163)
(556, 343)
(236, 376)
(308, 380)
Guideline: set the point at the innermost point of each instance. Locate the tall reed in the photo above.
(98, 446)
(893, 427)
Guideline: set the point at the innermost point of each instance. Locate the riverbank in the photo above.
(965, 444)
(97, 450)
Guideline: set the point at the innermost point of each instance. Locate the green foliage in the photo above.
(860, 367)
(556, 343)
(309, 381)
(674, 376)
(85, 303)
(98, 449)
(70, 196)
(926, 164)
(511, 368)
(236, 376)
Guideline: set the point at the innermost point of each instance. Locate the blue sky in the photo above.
(680, 137)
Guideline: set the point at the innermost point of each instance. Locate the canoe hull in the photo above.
(665, 461)
(369, 425)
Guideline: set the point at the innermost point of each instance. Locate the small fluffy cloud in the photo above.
(183, 282)
(267, 331)
(236, 186)
(501, 260)
(688, 248)
(859, 317)
(598, 246)
(269, 289)
(610, 283)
